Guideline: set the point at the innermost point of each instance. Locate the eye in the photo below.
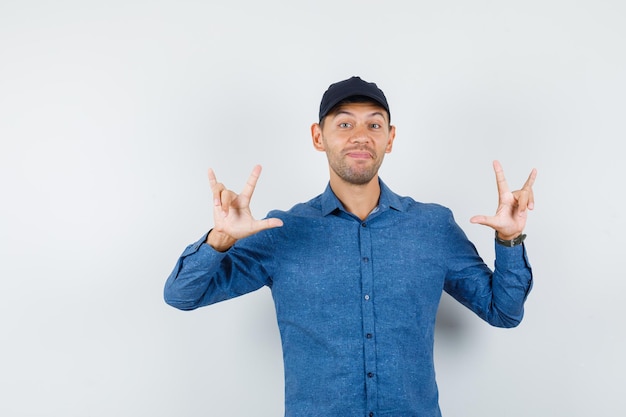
(344, 125)
(375, 126)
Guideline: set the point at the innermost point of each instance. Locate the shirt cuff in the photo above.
(511, 258)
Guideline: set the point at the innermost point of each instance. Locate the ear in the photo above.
(316, 136)
(392, 136)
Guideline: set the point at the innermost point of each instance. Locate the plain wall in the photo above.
(112, 112)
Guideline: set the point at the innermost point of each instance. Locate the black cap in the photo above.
(351, 87)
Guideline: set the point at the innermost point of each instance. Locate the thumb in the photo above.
(269, 223)
(480, 219)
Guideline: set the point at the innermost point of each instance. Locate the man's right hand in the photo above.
(231, 213)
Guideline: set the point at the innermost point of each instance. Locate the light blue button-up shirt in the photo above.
(356, 300)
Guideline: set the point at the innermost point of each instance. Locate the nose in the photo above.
(360, 135)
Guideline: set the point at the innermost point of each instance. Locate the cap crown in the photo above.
(353, 86)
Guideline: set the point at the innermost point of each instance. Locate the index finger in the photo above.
(248, 189)
(503, 186)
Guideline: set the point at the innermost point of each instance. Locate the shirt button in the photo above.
(366, 259)
(370, 375)
(367, 297)
(369, 335)
(363, 224)
(371, 414)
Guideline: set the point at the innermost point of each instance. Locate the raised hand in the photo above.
(510, 218)
(231, 213)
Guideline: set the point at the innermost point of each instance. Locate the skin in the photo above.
(355, 138)
(512, 212)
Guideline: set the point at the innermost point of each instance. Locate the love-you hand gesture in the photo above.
(510, 218)
(231, 213)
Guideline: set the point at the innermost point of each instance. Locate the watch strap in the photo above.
(511, 243)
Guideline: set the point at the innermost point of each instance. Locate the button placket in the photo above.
(367, 306)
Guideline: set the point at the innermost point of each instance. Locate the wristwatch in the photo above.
(510, 243)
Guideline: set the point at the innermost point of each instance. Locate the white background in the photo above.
(111, 113)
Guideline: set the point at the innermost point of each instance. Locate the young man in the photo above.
(357, 272)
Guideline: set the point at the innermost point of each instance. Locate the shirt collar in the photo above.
(388, 199)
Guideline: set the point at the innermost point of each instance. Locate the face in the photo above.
(356, 138)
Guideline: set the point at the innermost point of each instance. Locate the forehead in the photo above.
(360, 109)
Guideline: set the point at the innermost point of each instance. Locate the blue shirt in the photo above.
(356, 300)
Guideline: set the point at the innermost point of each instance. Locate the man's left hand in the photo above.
(510, 218)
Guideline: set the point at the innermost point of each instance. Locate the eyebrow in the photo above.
(376, 113)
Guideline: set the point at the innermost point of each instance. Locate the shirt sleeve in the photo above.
(496, 296)
(204, 276)
(511, 283)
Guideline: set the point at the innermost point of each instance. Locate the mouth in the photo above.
(359, 155)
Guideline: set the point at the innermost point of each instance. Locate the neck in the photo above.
(359, 200)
